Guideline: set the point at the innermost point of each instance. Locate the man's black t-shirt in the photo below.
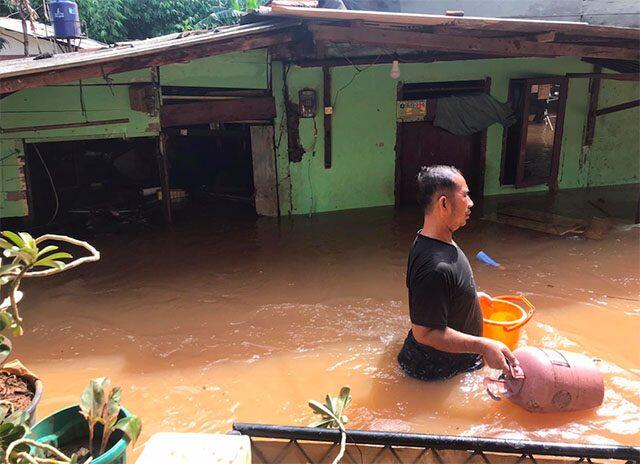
(442, 293)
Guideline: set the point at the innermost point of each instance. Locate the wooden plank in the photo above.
(328, 111)
(118, 64)
(369, 60)
(482, 162)
(559, 131)
(64, 126)
(541, 216)
(600, 75)
(182, 42)
(163, 169)
(442, 42)
(205, 112)
(467, 22)
(616, 108)
(594, 95)
(533, 225)
(265, 179)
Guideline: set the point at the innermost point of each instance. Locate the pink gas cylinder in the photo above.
(550, 381)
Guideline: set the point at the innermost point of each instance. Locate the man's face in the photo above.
(461, 204)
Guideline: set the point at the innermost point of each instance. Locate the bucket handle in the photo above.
(522, 299)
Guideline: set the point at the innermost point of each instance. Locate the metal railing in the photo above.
(273, 444)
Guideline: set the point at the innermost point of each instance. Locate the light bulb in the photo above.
(395, 70)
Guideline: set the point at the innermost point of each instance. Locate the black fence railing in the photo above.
(291, 444)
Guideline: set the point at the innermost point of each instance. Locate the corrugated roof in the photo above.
(269, 27)
(142, 54)
(45, 31)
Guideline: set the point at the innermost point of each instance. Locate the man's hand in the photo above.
(496, 354)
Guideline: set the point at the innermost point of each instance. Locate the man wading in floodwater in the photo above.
(446, 321)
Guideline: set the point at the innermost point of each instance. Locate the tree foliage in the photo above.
(119, 20)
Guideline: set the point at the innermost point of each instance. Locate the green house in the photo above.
(304, 110)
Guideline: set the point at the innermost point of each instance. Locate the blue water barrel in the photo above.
(65, 18)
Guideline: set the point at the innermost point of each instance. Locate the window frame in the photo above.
(523, 118)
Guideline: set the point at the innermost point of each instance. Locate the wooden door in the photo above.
(423, 144)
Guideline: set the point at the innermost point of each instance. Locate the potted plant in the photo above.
(98, 428)
(16, 448)
(22, 389)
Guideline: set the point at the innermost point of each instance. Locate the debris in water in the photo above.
(486, 259)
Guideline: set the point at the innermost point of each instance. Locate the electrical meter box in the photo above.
(308, 103)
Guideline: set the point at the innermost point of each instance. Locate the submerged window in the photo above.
(531, 148)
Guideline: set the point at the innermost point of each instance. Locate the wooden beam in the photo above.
(546, 37)
(442, 42)
(205, 112)
(142, 97)
(594, 94)
(369, 60)
(163, 170)
(616, 76)
(157, 58)
(328, 112)
(265, 176)
(13, 130)
(616, 108)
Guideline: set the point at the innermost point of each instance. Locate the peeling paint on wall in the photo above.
(364, 130)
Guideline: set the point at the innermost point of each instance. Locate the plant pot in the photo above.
(37, 396)
(67, 426)
(35, 386)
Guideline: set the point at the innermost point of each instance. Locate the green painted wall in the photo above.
(364, 124)
(364, 132)
(105, 100)
(62, 104)
(246, 70)
(12, 179)
(614, 157)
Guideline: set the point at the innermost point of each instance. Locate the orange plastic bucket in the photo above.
(504, 316)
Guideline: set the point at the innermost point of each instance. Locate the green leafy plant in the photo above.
(15, 448)
(99, 408)
(12, 429)
(332, 416)
(27, 257)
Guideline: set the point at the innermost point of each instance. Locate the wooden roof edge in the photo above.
(27, 66)
(468, 22)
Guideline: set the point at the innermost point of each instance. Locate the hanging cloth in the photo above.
(468, 114)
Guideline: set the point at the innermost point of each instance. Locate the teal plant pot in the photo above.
(67, 426)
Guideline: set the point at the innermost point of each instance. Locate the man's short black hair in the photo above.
(434, 181)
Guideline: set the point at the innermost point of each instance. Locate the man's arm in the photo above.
(495, 353)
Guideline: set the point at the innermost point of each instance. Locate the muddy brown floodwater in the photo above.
(234, 318)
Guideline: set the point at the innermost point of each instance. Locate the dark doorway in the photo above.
(212, 163)
(87, 183)
(423, 144)
(420, 143)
